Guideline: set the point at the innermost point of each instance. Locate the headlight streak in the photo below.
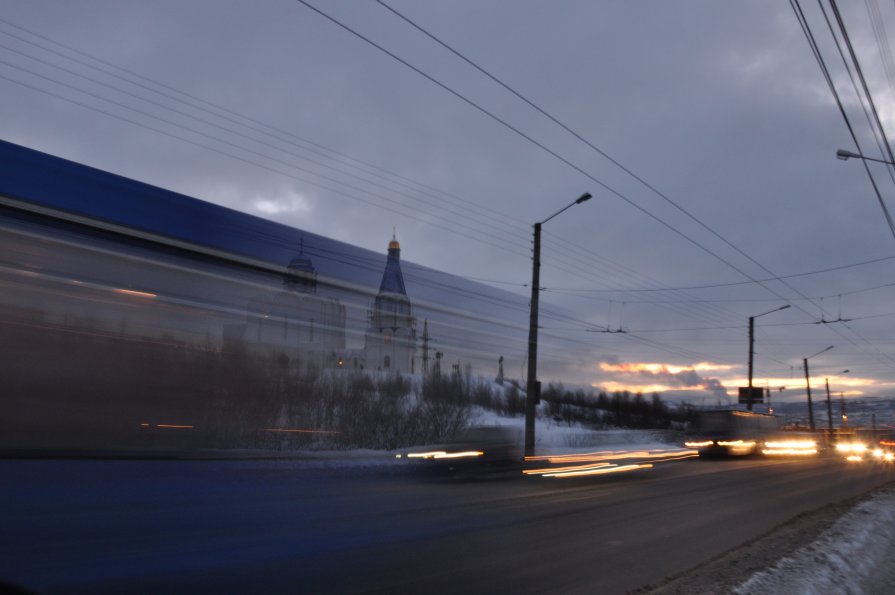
(698, 444)
(136, 293)
(854, 458)
(441, 454)
(611, 455)
(854, 447)
(600, 471)
(801, 448)
(792, 444)
(554, 470)
(598, 463)
(789, 451)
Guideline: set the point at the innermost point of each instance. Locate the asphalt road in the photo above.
(277, 526)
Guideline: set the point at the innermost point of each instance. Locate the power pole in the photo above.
(751, 398)
(426, 346)
(751, 354)
(842, 409)
(531, 387)
(810, 405)
(829, 410)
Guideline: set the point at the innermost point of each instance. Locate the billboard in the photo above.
(757, 395)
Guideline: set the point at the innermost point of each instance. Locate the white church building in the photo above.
(390, 340)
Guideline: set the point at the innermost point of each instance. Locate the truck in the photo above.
(731, 432)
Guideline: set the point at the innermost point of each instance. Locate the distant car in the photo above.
(477, 449)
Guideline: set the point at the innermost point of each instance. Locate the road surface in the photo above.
(277, 526)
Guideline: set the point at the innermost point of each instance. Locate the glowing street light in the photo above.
(532, 390)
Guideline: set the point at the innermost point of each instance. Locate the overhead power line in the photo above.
(573, 166)
(538, 144)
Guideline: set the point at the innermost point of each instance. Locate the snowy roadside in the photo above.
(852, 556)
(553, 438)
(844, 547)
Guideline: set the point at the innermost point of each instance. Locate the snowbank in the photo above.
(552, 437)
(853, 556)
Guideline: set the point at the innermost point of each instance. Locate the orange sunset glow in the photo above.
(657, 368)
(660, 377)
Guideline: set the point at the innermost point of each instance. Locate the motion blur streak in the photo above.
(681, 457)
(562, 469)
(854, 458)
(137, 293)
(698, 444)
(856, 447)
(790, 448)
(440, 454)
(612, 469)
(301, 431)
(174, 427)
(789, 451)
(611, 455)
(798, 444)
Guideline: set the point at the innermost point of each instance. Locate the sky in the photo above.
(719, 110)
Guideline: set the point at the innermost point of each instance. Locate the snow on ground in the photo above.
(853, 556)
(552, 437)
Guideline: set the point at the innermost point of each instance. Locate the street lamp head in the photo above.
(845, 155)
(582, 198)
(785, 307)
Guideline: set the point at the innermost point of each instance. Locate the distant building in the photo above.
(294, 321)
(390, 340)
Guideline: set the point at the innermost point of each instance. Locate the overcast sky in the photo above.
(720, 106)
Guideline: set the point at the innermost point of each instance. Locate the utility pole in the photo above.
(532, 390)
(750, 399)
(533, 387)
(808, 387)
(810, 405)
(842, 410)
(426, 346)
(751, 355)
(829, 410)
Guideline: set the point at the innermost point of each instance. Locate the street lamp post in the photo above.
(752, 349)
(830, 405)
(532, 390)
(846, 155)
(808, 387)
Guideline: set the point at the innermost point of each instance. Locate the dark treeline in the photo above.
(621, 409)
(79, 389)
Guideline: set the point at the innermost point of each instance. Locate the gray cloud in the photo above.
(719, 105)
